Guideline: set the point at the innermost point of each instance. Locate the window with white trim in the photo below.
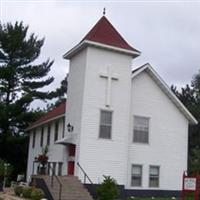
(154, 172)
(42, 136)
(105, 128)
(136, 176)
(48, 134)
(141, 129)
(33, 139)
(56, 130)
(63, 131)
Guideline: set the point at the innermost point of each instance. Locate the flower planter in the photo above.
(43, 160)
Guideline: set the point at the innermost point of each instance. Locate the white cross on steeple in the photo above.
(109, 75)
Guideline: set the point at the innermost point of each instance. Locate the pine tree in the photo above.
(60, 93)
(189, 95)
(21, 78)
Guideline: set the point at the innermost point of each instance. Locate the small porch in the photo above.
(49, 168)
(69, 142)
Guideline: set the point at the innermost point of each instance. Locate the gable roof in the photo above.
(104, 35)
(165, 88)
(55, 113)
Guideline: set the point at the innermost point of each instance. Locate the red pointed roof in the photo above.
(55, 112)
(105, 33)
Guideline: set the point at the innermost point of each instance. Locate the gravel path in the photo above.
(8, 194)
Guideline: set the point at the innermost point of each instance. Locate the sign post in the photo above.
(190, 186)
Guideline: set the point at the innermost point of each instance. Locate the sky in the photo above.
(166, 32)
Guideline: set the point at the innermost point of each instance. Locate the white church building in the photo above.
(117, 121)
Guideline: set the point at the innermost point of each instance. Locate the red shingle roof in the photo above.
(55, 112)
(104, 32)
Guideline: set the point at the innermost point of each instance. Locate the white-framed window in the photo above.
(105, 128)
(141, 129)
(63, 131)
(60, 164)
(56, 130)
(33, 139)
(154, 173)
(136, 175)
(42, 136)
(48, 134)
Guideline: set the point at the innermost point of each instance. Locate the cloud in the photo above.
(167, 33)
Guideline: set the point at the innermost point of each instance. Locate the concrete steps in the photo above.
(72, 188)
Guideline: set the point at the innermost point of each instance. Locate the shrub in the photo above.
(26, 192)
(189, 196)
(37, 194)
(108, 189)
(18, 190)
(5, 170)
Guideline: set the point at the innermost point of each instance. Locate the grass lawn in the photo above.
(155, 198)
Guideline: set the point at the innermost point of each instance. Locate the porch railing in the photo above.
(85, 174)
(56, 165)
(58, 181)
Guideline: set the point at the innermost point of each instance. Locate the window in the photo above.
(141, 129)
(136, 176)
(54, 168)
(48, 168)
(48, 134)
(63, 133)
(56, 131)
(33, 141)
(105, 124)
(60, 168)
(154, 176)
(41, 136)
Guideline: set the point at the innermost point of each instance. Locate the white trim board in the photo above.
(85, 43)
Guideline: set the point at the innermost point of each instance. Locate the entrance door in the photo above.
(70, 167)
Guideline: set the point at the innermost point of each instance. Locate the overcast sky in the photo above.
(166, 32)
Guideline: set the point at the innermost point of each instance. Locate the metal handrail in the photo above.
(58, 180)
(85, 174)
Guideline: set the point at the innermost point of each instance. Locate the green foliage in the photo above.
(60, 92)
(45, 150)
(108, 189)
(1, 168)
(20, 77)
(189, 95)
(151, 198)
(26, 192)
(18, 190)
(5, 170)
(17, 155)
(21, 81)
(190, 196)
(37, 194)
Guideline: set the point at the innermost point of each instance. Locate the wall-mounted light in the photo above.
(70, 128)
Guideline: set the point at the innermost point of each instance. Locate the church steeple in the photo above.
(104, 34)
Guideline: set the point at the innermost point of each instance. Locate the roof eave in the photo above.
(44, 122)
(167, 91)
(85, 43)
(74, 50)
